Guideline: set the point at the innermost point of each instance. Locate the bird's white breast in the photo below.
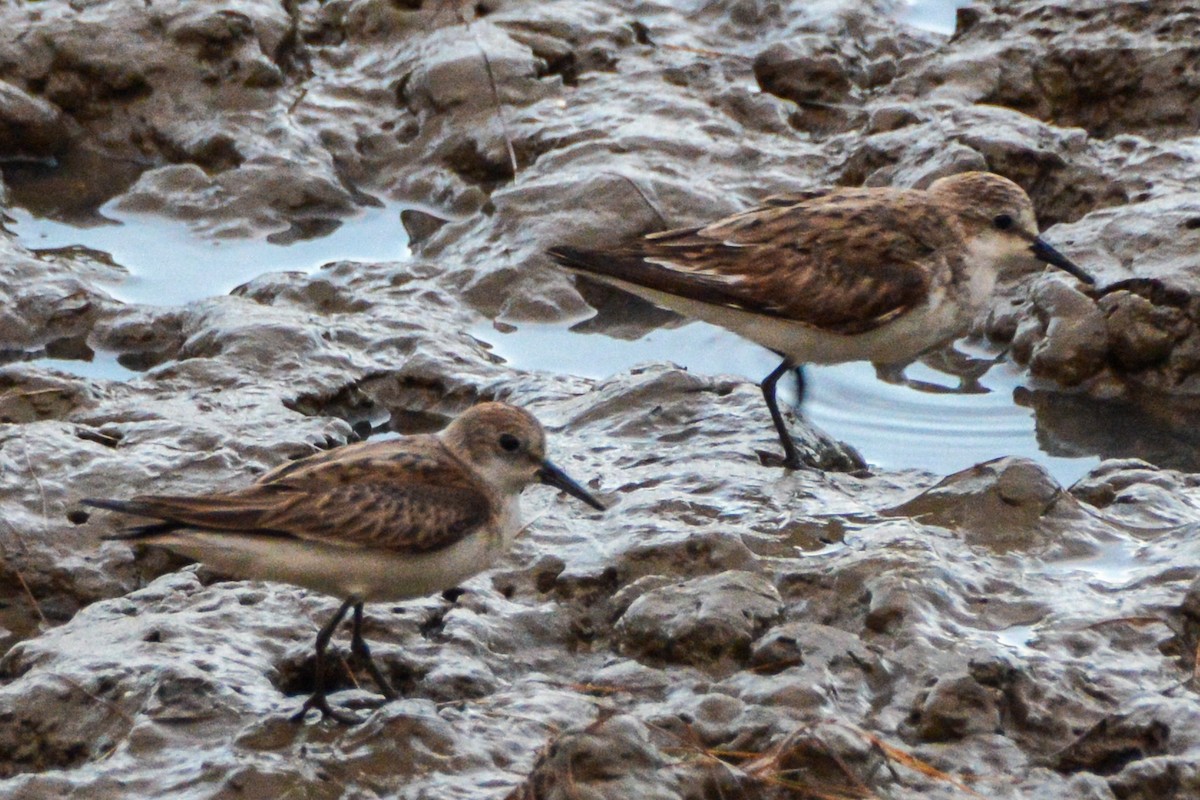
(366, 573)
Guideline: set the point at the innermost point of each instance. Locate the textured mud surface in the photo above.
(726, 629)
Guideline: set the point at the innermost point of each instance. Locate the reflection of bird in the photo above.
(372, 521)
(876, 275)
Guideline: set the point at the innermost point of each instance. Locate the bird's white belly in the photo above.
(367, 574)
(899, 340)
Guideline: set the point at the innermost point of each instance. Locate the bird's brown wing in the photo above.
(792, 198)
(404, 500)
(339, 462)
(844, 265)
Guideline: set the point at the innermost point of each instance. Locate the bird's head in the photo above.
(507, 445)
(999, 218)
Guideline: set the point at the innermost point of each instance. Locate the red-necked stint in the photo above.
(876, 274)
(387, 520)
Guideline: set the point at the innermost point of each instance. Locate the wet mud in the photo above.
(726, 629)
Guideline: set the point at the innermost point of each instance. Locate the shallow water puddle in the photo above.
(102, 366)
(1115, 563)
(893, 426)
(1017, 637)
(931, 15)
(76, 358)
(169, 264)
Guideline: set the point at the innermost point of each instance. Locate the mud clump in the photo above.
(726, 629)
(704, 621)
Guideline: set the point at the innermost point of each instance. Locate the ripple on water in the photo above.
(893, 426)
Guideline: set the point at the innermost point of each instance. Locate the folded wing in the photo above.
(808, 262)
(405, 502)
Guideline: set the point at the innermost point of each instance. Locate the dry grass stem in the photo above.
(906, 759)
(111, 706)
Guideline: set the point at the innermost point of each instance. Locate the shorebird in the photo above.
(878, 274)
(389, 520)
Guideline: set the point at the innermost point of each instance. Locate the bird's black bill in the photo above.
(1044, 252)
(553, 476)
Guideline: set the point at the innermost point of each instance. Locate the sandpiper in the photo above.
(387, 520)
(877, 274)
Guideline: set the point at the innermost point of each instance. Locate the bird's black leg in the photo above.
(358, 647)
(790, 459)
(801, 384)
(318, 700)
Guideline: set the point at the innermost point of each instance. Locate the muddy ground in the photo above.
(726, 629)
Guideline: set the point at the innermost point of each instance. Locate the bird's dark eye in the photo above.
(1002, 222)
(509, 442)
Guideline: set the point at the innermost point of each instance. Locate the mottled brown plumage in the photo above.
(372, 521)
(398, 495)
(843, 265)
(876, 274)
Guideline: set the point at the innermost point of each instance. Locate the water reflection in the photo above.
(1158, 429)
(893, 426)
(86, 363)
(170, 265)
(937, 16)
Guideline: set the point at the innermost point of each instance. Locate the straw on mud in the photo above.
(21, 578)
(111, 706)
(906, 759)
(700, 51)
(769, 767)
(491, 76)
(662, 220)
(20, 540)
(346, 665)
(37, 481)
(37, 607)
(299, 99)
(1136, 621)
(596, 688)
(487, 65)
(30, 393)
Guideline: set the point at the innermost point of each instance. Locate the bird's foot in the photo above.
(321, 703)
(968, 376)
(770, 459)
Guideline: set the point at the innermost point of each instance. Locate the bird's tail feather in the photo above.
(131, 507)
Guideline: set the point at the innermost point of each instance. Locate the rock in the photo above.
(707, 622)
(1140, 334)
(420, 225)
(1075, 341)
(956, 707)
(1000, 504)
(29, 127)
(1112, 743)
(1149, 778)
(460, 66)
(611, 758)
(462, 679)
(1046, 60)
